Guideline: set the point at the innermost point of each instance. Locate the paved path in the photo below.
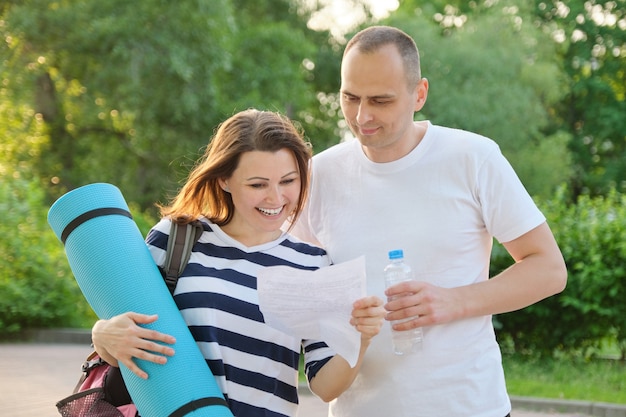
(34, 376)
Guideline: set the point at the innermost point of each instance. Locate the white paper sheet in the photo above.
(315, 304)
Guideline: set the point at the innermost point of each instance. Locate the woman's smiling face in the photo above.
(265, 189)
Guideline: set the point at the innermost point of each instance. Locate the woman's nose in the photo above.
(274, 194)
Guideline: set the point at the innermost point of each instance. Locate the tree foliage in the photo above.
(32, 296)
(591, 310)
(118, 84)
(592, 40)
(139, 85)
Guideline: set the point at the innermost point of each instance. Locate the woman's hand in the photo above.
(121, 338)
(368, 316)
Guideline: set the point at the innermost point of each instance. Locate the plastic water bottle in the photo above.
(397, 271)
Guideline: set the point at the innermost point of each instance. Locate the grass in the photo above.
(597, 380)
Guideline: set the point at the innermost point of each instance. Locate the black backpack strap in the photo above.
(179, 245)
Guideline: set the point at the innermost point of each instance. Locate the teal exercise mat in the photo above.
(116, 274)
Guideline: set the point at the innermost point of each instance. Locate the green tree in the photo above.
(35, 281)
(118, 84)
(279, 63)
(591, 36)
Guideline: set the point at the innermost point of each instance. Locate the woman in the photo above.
(253, 177)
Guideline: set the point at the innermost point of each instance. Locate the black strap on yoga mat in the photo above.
(199, 403)
(90, 215)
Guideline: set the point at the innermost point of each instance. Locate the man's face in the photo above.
(376, 101)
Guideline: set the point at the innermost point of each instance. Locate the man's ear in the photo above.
(421, 93)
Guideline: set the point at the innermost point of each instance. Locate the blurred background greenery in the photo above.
(130, 92)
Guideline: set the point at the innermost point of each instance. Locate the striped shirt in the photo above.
(256, 366)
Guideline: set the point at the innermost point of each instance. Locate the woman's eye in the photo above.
(288, 181)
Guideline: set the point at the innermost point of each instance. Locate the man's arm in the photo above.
(539, 272)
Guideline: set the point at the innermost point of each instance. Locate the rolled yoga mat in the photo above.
(116, 273)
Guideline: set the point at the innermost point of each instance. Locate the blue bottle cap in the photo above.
(396, 254)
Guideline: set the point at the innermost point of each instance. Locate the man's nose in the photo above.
(364, 114)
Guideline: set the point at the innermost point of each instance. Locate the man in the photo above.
(441, 195)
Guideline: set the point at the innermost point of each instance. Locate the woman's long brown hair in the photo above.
(246, 131)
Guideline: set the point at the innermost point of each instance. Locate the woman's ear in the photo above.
(224, 185)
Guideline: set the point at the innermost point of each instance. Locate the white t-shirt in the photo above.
(442, 204)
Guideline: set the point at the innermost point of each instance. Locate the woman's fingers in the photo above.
(368, 316)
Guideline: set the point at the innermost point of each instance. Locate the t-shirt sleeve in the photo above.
(157, 240)
(316, 355)
(508, 209)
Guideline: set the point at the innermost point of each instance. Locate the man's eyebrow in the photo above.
(377, 97)
(346, 92)
(384, 96)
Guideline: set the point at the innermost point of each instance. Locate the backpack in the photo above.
(101, 391)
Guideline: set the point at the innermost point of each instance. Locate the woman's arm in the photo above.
(337, 375)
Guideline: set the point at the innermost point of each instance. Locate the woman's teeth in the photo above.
(270, 212)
